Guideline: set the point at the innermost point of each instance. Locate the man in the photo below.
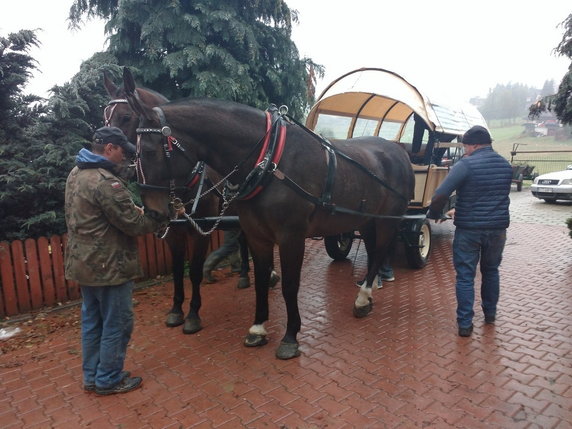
(101, 255)
(482, 180)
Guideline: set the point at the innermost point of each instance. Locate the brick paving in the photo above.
(401, 367)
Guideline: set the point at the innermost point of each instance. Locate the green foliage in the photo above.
(561, 102)
(38, 152)
(227, 49)
(224, 49)
(16, 67)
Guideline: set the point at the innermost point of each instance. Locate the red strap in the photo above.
(275, 159)
(266, 139)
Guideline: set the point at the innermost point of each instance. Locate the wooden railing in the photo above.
(32, 271)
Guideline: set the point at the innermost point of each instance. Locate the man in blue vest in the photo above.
(482, 181)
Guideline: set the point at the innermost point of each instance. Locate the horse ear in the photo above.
(109, 85)
(128, 81)
(135, 102)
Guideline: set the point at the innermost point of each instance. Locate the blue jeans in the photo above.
(106, 327)
(469, 246)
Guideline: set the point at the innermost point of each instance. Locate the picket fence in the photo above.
(32, 271)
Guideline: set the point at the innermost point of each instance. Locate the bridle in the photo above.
(110, 108)
(197, 173)
(169, 145)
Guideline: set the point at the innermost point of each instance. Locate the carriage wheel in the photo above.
(418, 254)
(339, 246)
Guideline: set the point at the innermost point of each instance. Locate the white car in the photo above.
(553, 186)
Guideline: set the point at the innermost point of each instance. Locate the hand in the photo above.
(449, 215)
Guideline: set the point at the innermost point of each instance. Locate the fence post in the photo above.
(9, 297)
(46, 271)
(32, 263)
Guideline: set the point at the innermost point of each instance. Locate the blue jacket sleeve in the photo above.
(453, 181)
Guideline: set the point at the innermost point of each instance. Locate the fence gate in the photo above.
(540, 161)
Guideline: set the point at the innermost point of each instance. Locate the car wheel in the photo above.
(550, 200)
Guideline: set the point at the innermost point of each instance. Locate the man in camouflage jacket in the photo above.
(102, 256)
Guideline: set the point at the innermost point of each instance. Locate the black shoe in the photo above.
(91, 387)
(490, 320)
(465, 332)
(126, 385)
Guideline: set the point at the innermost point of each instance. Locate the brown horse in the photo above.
(119, 114)
(287, 185)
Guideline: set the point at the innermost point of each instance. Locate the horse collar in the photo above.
(269, 157)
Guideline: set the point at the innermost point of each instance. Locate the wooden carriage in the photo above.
(379, 102)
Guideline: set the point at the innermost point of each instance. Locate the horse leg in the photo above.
(291, 259)
(364, 300)
(243, 279)
(262, 255)
(200, 248)
(176, 244)
(378, 237)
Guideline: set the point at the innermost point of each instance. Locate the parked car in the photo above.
(553, 186)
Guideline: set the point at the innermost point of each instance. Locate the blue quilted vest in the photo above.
(483, 200)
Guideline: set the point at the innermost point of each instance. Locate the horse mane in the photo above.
(212, 103)
(122, 94)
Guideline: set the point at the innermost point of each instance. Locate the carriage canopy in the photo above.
(379, 102)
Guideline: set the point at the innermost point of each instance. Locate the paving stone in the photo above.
(402, 366)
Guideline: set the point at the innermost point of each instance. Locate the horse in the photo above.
(118, 114)
(287, 184)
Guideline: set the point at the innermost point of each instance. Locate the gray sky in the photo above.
(449, 49)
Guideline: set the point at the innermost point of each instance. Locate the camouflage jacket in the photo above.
(102, 223)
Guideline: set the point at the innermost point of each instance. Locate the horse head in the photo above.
(164, 167)
(119, 114)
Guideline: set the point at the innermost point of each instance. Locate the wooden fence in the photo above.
(32, 271)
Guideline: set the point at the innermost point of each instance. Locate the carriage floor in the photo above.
(401, 367)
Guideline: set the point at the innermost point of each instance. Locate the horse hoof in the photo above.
(191, 326)
(243, 283)
(255, 340)
(274, 279)
(174, 319)
(360, 312)
(287, 351)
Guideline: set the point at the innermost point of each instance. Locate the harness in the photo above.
(265, 167)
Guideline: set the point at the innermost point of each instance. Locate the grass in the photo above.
(505, 138)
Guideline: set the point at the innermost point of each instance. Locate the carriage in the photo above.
(360, 184)
(379, 102)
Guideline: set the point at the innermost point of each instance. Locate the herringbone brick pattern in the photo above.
(401, 367)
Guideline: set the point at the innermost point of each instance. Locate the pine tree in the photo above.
(227, 49)
(561, 102)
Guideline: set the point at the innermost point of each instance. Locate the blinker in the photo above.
(166, 131)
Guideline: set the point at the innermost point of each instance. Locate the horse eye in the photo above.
(125, 119)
